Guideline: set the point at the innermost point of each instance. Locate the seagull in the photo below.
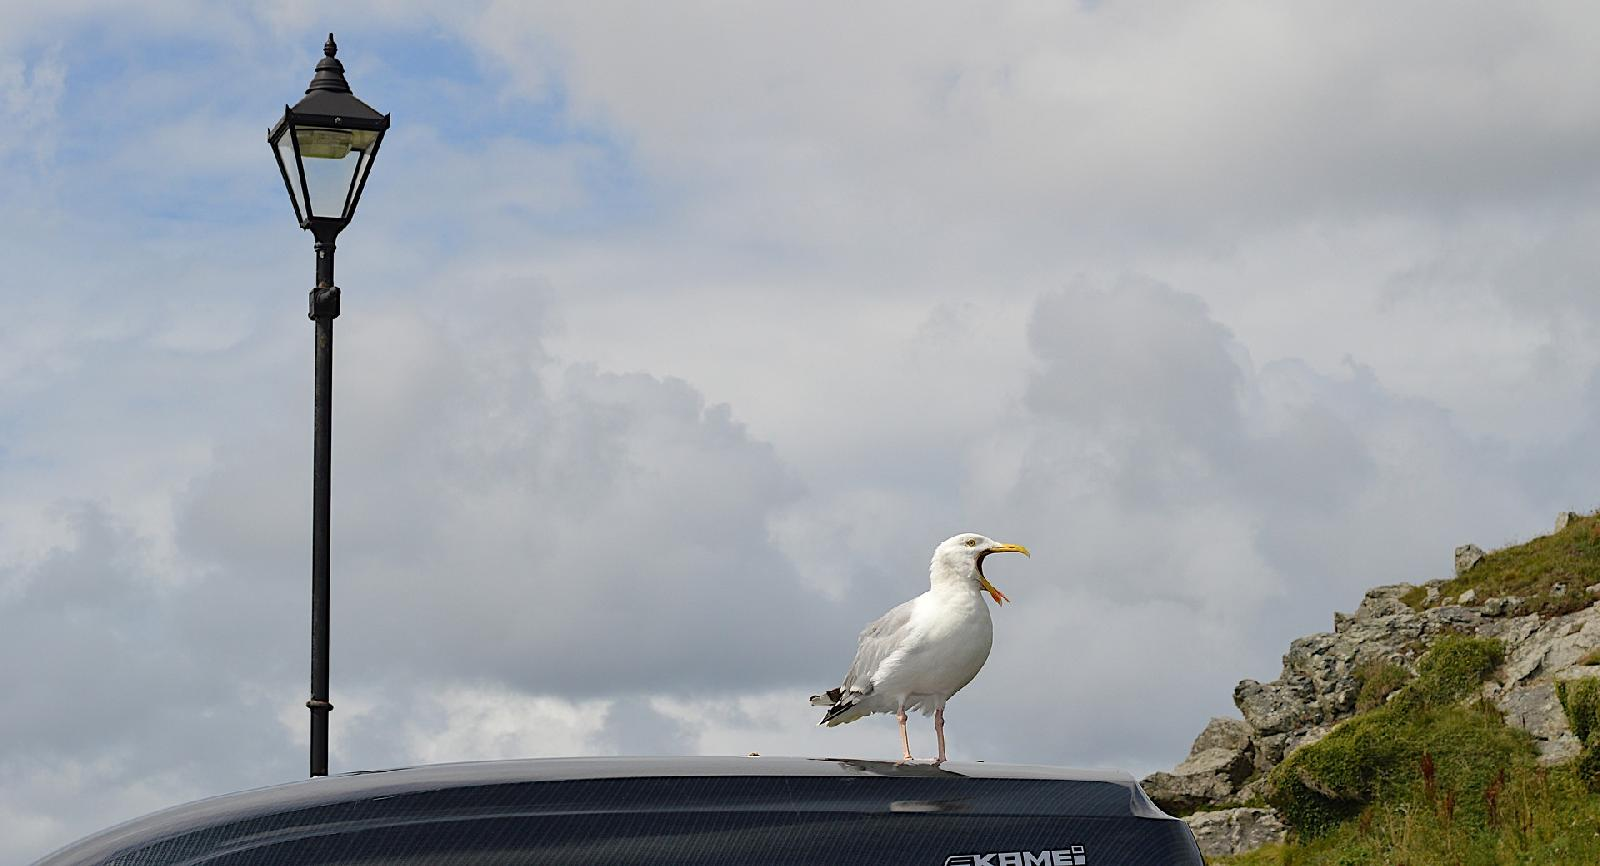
(920, 653)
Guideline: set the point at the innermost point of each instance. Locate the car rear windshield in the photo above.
(701, 820)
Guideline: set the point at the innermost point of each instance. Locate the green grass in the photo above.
(1531, 571)
(1434, 776)
(1580, 700)
(1543, 816)
(1424, 774)
(1377, 680)
(1421, 733)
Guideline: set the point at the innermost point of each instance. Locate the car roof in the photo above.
(372, 785)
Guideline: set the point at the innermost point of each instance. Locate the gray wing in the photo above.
(878, 641)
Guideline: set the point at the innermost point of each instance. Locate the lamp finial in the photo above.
(330, 72)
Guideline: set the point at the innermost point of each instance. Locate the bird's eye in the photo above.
(972, 542)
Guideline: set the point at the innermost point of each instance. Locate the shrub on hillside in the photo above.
(1451, 671)
(1378, 679)
(1420, 743)
(1580, 700)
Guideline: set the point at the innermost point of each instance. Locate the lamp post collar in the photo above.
(330, 72)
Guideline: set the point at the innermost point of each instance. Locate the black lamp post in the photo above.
(325, 145)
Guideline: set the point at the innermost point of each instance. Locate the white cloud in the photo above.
(485, 724)
(654, 390)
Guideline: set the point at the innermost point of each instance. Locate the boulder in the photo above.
(1234, 831)
(1565, 518)
(1271, 708)
(1467, 555)
(1450, 618)
(1535, 709)
(1270, 749)
(1319, 685)
(1232, 734)
(1384, 601)
(1467, 597)
(1254, 791)
(1558, 751)
(1299, 739)
(1534, 648)
(1498, 606)
(1202, 779)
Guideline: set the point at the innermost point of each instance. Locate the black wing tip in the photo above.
(836, 711)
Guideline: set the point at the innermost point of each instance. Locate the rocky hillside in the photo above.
(1538, 600)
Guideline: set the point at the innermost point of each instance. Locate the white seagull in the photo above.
(923, 651)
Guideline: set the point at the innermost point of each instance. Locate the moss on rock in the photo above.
(1421, 743)
(1580, 700)
(1378, 679)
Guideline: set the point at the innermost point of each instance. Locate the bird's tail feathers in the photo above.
(842, 714)
(843, 707)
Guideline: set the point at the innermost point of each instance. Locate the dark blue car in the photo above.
(659, 811)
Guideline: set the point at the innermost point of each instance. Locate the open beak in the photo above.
(999, 597)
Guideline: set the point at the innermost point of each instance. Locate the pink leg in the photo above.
(905, 739)
(938, 728)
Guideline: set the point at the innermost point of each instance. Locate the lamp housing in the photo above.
(325, 145)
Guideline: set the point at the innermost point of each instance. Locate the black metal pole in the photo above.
(324, 309)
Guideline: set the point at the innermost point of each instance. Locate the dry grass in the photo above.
(1549, 573)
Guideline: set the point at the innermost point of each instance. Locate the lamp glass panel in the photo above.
(360, 176)
(330, 162)
(291, 168)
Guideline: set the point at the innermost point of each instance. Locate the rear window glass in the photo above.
(786, 821)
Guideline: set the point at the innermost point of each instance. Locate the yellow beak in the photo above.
(999, 597)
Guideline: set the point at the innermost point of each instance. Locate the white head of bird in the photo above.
(958, 563)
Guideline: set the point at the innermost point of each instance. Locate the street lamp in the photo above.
(325, 145)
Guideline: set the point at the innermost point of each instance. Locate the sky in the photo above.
(676, 336)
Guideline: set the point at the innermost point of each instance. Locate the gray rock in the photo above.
(1512, 630)
(1449, 618)
(1234, 831)
(1202, 780)
(1558, 751)
(1318, 685)
(1231, 734)
(1535, 709)
(1254, 790)
(1234, 764)
(1270, 708)
(1222, 758)
(1269, 751)
(1384, 601)
(1565, 518)
(1301, 739)
(1467, 555)
(1549, 647)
